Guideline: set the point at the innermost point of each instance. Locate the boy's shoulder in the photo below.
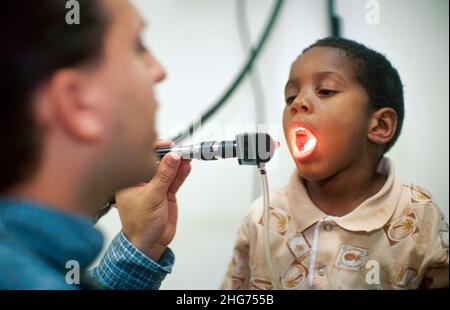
(278, 203)
(418, 206)
(417, 198)
(414, 201)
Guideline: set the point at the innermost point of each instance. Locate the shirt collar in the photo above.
(371, 215)
(55, 236)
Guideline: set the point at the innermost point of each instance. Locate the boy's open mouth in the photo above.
(304, 142)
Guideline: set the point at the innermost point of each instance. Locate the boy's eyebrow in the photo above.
(289, 82)
(324, 74)
(318, 75)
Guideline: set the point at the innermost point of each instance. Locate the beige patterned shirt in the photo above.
(397, 239)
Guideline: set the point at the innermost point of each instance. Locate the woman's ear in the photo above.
(78, 117)
(382, 126)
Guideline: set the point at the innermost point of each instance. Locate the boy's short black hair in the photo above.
(36, 42)
(377, 75)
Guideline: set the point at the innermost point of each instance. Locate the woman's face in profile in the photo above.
(123, 86)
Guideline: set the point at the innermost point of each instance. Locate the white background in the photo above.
(198, 43)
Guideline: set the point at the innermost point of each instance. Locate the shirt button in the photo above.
(328, 227)
(322, 270)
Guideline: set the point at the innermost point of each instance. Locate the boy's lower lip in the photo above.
(303, 142)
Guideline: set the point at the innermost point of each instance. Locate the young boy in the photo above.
(346, 220)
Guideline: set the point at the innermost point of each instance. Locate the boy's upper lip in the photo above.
(301, 124)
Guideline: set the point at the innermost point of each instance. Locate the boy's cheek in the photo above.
(287, 138)
(287, 119)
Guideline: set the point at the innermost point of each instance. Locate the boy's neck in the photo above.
(346, 190)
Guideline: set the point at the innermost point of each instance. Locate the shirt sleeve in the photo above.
(237, 276)
(124, 267)
(437, 258)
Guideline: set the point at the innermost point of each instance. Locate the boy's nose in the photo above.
(300, 105)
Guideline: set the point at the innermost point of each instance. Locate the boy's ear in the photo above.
(382, 126)
(77, 117)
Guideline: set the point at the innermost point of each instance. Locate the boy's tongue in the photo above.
(305, 141)
(301, 140)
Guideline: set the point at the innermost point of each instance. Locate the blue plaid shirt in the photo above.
(36, 244)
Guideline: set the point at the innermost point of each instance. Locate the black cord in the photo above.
(246, 40)
(335, 21)
(255, 77)
(254, 53)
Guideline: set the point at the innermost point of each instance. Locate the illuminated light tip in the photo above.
(277, 144)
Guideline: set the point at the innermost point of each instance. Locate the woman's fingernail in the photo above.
(174, 159)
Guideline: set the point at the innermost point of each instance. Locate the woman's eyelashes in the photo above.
(140, 46)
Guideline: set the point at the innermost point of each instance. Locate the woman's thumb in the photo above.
(166, 173)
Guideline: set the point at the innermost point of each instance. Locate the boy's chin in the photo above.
(311, 172)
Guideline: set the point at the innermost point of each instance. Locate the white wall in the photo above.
(198, 42)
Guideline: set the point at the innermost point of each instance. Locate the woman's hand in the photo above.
(149, 212)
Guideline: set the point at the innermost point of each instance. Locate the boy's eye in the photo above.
(325, 92)
(290, 99)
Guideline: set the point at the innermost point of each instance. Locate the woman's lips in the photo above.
(303, 142)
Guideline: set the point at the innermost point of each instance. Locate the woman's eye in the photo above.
(140, 47)
(325, 92)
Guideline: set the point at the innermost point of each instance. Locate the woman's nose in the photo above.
(157, 71)
(160, 72)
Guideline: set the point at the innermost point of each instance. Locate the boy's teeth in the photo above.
(309, 145)
(305, 141)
